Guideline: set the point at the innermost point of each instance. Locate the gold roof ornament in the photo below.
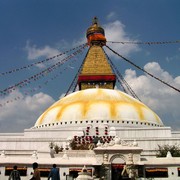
(95, 33)
(95, 27)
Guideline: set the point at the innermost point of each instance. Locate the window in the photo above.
(156, 172)
(44, 172)
(22, 170)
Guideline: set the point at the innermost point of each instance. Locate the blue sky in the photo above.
(32, 31)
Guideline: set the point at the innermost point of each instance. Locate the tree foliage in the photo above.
(173, 149)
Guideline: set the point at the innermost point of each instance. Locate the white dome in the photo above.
(103, 105)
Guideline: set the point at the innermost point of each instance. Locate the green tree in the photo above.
(173, 149)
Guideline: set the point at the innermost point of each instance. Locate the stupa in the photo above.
(111, 133)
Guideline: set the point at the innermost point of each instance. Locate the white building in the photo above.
(121, 133)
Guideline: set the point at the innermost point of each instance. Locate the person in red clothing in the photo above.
(36, 174)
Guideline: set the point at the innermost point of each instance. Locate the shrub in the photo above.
(173, 149)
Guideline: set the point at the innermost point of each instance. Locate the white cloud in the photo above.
(34, 53)
(175, 57)
(111, 16)
(159, 97)
(115, 31)
(177, 80)
(18, 115)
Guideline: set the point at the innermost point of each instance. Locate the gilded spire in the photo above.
(96, 70)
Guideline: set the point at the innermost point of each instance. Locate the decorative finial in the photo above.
(95, 34)
(95, 20)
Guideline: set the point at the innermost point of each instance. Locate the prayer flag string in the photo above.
(41, 74)
(40, 62)
(147, 43)
(2, 104)
(138, 67)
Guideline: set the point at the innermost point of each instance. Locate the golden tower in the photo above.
(96, 71)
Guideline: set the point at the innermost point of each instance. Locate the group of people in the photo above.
(53, 175)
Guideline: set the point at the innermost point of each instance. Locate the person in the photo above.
(36, 174)
(54, 173)
(14, 175)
